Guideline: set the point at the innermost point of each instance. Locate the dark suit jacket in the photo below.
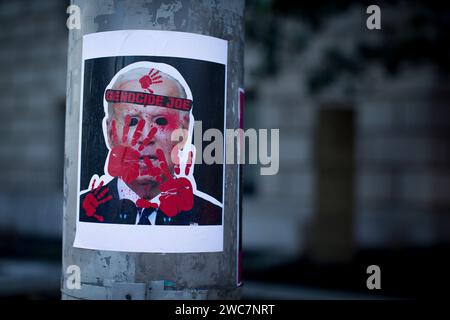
(124, 211)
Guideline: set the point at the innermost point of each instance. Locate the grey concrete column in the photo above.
(120, 275)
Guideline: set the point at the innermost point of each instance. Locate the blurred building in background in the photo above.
(364, 119)
(375, 102)
(33, 59)
(32, 95)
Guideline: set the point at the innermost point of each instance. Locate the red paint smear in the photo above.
(142, 203)
(151, 169)
(176, 193)
(93, 199)
(173, 122)
(124, 163)
(163, 163)
(114, 132)
(176, 196)
(149, 138)
(138, 132)
(126, 129)
(93, 185)
(189, 163)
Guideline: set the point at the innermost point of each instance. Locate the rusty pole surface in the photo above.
(122, 275)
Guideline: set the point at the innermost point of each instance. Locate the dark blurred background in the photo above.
(364, 119)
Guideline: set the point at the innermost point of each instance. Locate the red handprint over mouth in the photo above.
(150, 79)
(124, 160)
(176, 192)
(93, 199)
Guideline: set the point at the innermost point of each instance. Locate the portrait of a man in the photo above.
(148, 173)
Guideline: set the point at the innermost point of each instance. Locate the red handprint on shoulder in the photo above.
(124, 160)
(93, 199)
(176, 192)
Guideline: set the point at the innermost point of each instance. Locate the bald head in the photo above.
(148, 81)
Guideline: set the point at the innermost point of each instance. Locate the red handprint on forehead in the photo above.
(176, 192)
(124, 160)
(152, 78)
(93, 199)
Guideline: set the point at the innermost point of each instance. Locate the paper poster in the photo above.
(141, 185)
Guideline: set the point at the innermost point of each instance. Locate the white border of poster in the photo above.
(139, 238)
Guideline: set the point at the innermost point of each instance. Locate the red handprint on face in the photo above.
(124, 160)
(93, 199)
(152, 78)
(176, 192)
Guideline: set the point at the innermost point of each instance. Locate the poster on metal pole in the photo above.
(142, 184)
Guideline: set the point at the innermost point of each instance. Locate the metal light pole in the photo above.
(122, 275)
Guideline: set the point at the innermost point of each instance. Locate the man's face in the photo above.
(165, 120)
